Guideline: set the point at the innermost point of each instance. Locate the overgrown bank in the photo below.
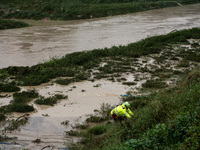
(80, 9)
(170, 119)
(9, 24)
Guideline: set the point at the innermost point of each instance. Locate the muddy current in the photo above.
(53, 39)
(47, 39)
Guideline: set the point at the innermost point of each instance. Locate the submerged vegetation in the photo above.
(50, 100)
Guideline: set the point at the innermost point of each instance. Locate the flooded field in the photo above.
(45, 123)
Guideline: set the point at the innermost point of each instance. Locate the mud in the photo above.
(47, 39)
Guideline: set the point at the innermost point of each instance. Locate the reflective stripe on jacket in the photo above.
(122, 111)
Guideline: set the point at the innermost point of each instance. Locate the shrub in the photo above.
(183, 63)
(95, 119)
(129, 83)
(2, 117)
(9, 87)
(50, 100)
(21, 108)
(64, 81)
(24, 97)
(97, 130)
(9, 24)
(26, 94)
(154, 84)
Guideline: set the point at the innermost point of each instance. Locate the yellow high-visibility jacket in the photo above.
(122, 111)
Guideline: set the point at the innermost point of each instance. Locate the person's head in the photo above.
(127, 104)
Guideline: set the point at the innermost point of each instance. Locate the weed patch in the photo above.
(2, 117)
(97, 130)
(9, 24)
(50, 100)
(9, 87)
(24, 97)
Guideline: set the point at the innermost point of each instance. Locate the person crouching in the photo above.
(121, 112)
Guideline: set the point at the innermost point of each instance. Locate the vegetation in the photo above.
(67, 66)
(173, 123)
(19, 103)
(80, 9)
(14, 124)
(50, 100)
(9, 87)
(9, 24)
(24, 97)
(154, 84)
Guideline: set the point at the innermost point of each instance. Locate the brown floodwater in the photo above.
(53, 39)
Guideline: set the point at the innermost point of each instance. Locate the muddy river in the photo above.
(47, 39)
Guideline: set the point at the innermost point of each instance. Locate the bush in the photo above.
(21, 108)
(97, 130)
(154, 84)
(183, 63)
(2, 117)
(95, 119)
(24, 97)
(9, 24)
(129, 83)
(9, 87)
(50, 100)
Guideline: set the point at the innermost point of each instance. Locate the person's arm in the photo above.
(127, 114)
(130, 112)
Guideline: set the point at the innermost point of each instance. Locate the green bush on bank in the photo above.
(9, 24)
